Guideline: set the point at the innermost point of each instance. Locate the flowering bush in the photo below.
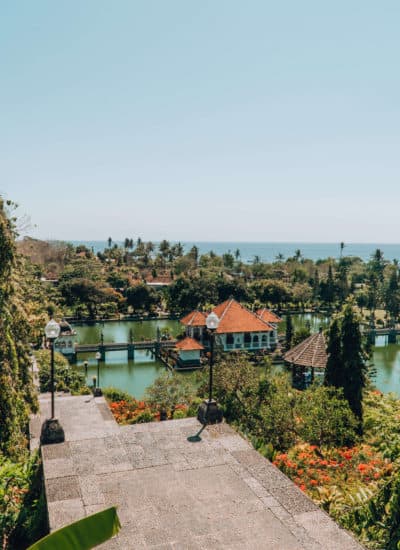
(346, 470)
(132, 411)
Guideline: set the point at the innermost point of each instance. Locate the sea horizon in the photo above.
(269, 250)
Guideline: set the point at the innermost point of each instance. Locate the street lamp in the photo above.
(52, 431)
(208, 412)
(97, 389)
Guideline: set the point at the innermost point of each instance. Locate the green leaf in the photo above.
(83, 534)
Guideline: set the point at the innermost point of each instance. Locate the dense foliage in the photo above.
(66, 378)
(20, 484)
(22, 502)
(16, 389)
(116, 281)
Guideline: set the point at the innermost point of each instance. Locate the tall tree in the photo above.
(334, 375)
(164, 248)
(289, 331)
(346, 365)
(392, 294)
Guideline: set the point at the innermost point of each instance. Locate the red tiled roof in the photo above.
(194, 319)
(309, 353)
(267, 316)
(189, 344)
(236, 318)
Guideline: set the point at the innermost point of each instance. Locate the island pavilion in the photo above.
(238, 329)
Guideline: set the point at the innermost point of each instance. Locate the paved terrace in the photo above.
(172, 494)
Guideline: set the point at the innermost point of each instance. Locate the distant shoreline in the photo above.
(268, 251)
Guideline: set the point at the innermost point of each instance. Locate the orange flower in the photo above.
(313, 482)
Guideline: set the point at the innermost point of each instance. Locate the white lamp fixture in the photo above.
(52, 330)
(52, 431)
(98, 356)
(212, 321)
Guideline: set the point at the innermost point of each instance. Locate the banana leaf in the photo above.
(83, 534)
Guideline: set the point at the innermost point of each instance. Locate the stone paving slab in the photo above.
(174, 494)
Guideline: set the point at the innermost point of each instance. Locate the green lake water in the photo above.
(131, 376)
(135, 376)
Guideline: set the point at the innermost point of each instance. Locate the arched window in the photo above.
(264, 339)
(255, 341)
(229, 341)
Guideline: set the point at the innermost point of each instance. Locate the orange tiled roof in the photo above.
(189, 344)
(267, 316)
(309, 353)
(194, 319)
(236, 318)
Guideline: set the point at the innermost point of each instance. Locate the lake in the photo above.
(135, 376)
(131, 376)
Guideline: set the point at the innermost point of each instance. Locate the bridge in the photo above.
(155, 346)
(390, 332)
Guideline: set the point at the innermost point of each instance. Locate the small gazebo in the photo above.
(306, 359)
(188, 353)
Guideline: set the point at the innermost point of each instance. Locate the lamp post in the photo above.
(97, 389)
(52, 431)
(208, 412)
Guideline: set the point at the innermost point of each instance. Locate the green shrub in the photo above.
(115, 395)
(179, 414)
(194, 406)
(66, 377)
(324, 417)
(169, 390)
(145, 416)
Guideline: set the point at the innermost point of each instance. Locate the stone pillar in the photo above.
(131, 352)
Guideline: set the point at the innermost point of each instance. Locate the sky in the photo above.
(219, 120)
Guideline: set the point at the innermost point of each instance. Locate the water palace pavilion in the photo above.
(307, 359)
(238, 329)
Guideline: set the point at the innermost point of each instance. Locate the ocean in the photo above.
(268, 251)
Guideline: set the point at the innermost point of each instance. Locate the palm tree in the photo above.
(164, 248)
(342, 245)
(297, 255)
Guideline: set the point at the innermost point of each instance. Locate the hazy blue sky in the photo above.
(211, 120)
